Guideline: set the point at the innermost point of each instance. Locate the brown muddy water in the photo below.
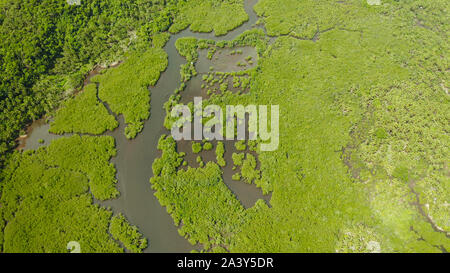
(135, 157)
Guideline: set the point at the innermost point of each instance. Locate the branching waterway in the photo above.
(135, 157)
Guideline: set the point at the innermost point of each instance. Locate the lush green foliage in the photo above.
(83, 114)
(47, 47)
(361, 163)
(45, 200)
(303, 19)
(196, 147)
(238, 159)
(208, 146)
(209, 15)
(248, 170)
(129, 235)
(200, 161)
(125, 88)
(220, 151)
(236, 177)
(367, 66)
(198, 200)
(400, 158)
(187, 47)
(240, 145)
(89, 155)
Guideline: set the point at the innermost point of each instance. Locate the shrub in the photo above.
(196, 147)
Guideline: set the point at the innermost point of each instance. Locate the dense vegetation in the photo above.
(363, 92)
(198, 200)
(362, 163)
(209, 15)
(83, 114)
(220, 150)
(129, 235)
(248, 170)
(304, 19)
(125, 88)
(358, 86)
(47, 47)
(45, 200)
(60, 43)
(188, 47)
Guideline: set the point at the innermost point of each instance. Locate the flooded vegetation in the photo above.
(226, 59)
(362, 160)
(246, 193)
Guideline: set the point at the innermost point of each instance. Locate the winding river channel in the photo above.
(135, 157)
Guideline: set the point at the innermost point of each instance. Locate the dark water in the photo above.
(135, 157)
